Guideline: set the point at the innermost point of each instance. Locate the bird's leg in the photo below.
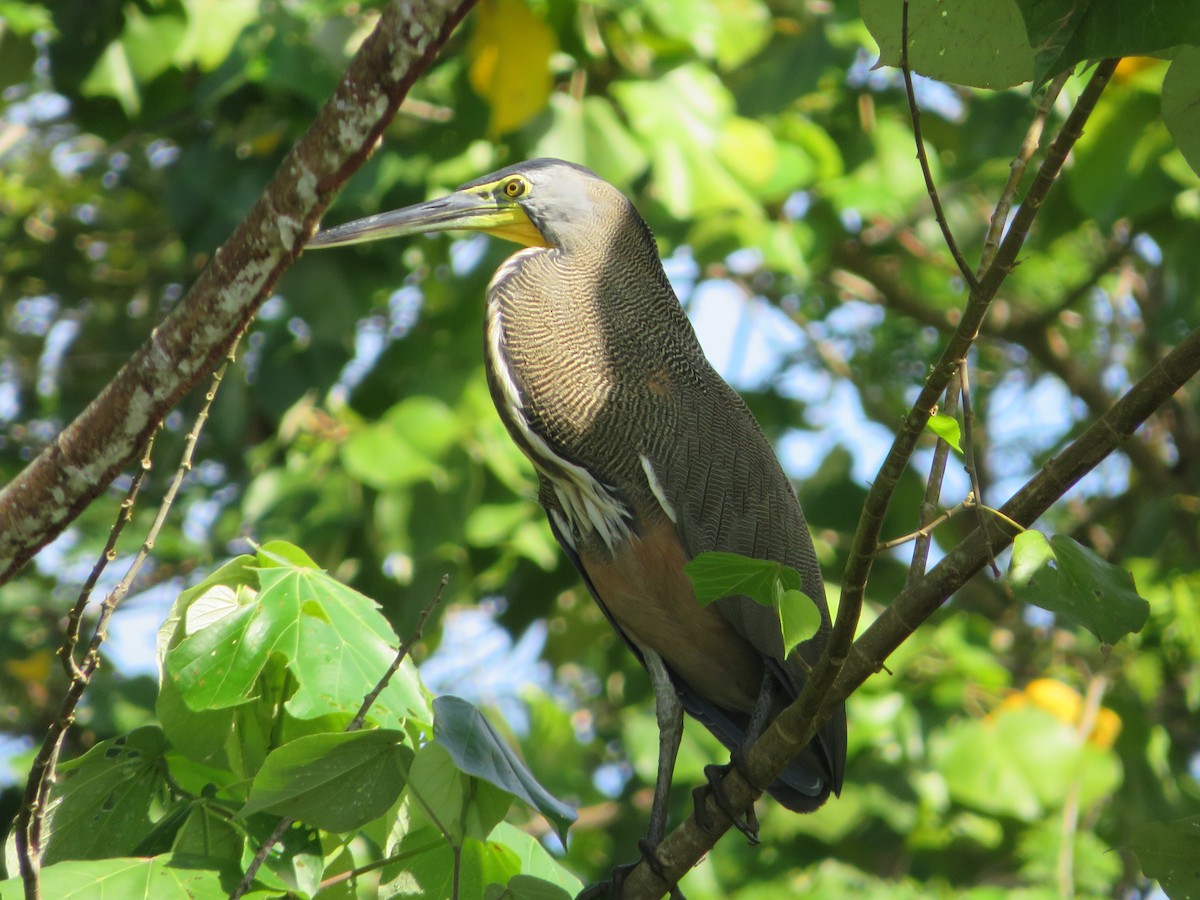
(747, 824)
(668, 709)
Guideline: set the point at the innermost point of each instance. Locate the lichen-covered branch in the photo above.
(190, 343)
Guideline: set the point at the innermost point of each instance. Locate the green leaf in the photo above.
(1072, 581)
(537, 865)
(980, 43)
(716, 575)
(434, 871)
(335, 782)
(332, 640)
(208, 840)
(1023, 763)
(407, 446)
(153, 879)
(102, 806)
(945, 427)
(1181, 104)
(729, 31)
(798, 617)
(1170, 853)
(1067, 32)
(590, 132)
(478, 749)
(684, 121)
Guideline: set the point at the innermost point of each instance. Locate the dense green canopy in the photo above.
(1022, 741)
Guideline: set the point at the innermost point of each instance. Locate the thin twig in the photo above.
(1070, 814)
(28, 836)
(264, 849)
(933, 490)
(42, 773)
(915, 112)
(927, 527)
(357, 722)
(1016, 171)
(968, 448)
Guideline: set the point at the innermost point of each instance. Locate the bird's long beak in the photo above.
(477, 209)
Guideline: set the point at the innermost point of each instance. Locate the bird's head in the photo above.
(539, 203)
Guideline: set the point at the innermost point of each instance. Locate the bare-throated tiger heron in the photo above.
(645, 457)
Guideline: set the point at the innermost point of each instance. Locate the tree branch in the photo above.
(107, 436)
(795, 726)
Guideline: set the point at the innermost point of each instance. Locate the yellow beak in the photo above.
(477, 209)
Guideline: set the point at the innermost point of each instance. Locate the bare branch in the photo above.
(1016, 171)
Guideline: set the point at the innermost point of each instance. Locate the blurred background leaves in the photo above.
(774, 162)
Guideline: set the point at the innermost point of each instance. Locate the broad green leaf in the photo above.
(332, 640)
(293, 865)
(129, 879)
(335, 782)
(589, 132)
(1118, 162)
(208, 840)
(212, 28)
(456, 804)
(112, 76)
(888, 182)
(434, 872)
(717, 575)
(478, 749)
(1181, 104)
(536, 862)
(526, 887)
(1066, 578)
(102, 804)
(728, 31)
(510, 52)
(980, 43)
(1168, 851)
(1067, 32)
(945, 427)
(1023, 763)
(682, 119)
(407, 446)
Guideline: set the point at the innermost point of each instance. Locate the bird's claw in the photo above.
(614, 888)
(746, 823)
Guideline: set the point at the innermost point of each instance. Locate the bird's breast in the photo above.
(553, 383)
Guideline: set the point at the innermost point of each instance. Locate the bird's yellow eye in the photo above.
(515, 187)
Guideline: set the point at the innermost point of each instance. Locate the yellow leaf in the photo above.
(34, 668)
(510, 62)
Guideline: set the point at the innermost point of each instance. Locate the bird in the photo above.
(645, 457)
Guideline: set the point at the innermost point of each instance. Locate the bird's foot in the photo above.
(614, 888)
(746, 823)
(650, 855)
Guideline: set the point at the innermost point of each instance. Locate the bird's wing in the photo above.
(728, 493)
